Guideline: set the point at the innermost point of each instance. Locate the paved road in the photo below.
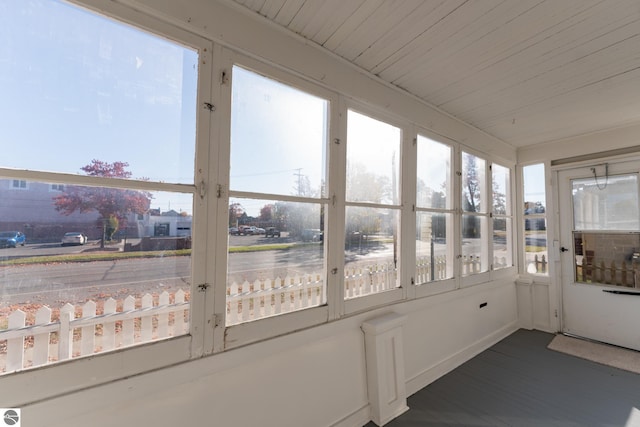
(76, 282)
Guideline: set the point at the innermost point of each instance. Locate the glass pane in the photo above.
(278, 137)
(474, 244)
(609, 203)
(434, 174)
(502, 245)
(608, 258)
(85, 247)
(97, 89)
(535, 235)
(534, 190)
(501, 190)
(473, 183)
(276, 260)
(434, 259)
(373, 156)
(371, 251)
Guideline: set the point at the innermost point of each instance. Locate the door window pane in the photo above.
(373, 159)
(607, 258)
(97, 89)
(278, 137)
(609, 203)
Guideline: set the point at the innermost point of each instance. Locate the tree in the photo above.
(113, 204)
(236, 211)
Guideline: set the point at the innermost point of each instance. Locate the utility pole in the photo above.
(299, 175)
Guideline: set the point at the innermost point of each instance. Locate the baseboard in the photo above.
(357, 419)
(436, 371)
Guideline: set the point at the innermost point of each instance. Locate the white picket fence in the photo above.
(264, 298)
(79, 331)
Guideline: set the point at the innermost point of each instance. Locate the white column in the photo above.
(386, 383)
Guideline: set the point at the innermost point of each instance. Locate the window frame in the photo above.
(522, 254)
(487, 215)
(362, 303)
(75, 374)
(440, 286)
(244, 333)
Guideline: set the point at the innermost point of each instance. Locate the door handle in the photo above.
(563, 249)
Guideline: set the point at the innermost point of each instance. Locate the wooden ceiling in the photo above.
(524, 71)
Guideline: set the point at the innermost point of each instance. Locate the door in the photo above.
(600, 252)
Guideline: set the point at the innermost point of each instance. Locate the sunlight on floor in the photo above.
(634, 418)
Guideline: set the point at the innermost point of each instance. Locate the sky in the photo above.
(76, 87)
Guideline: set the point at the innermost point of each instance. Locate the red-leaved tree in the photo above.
(113, 204)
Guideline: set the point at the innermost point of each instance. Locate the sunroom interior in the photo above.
(367, 193)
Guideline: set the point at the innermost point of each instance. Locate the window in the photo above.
(502, 217)
(113, 102)
(19, 184)
(277, 205)
(475, 216)
(372, 220)
(535, 221)
(434, 212)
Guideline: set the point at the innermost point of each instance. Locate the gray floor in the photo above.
(519, 382)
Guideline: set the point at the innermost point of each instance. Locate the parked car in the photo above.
(234, 231)
(73, 238)
(253, 230)
(312, 235)
(11, 239)
(272, 232)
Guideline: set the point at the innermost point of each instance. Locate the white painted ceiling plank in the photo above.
(399, 36)
(422, 37)
(539, 121)
(316, 15)
(553, 49)
(308, 12)
(271, 8)
(450, 24)
(503, 47)
(356, 19)
(338, 16)
(389, 15)
(465, 41)
(288, 11)
(613, 52)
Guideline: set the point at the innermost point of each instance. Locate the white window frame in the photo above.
(522, 218)
(509, 216)
(490, 274)
(450, 284)
(260, 329)
(76, 374)
(19, 187)
(355, 305)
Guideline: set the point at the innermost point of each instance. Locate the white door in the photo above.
(600, 252)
